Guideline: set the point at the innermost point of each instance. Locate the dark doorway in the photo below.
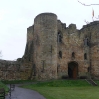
(73, 70)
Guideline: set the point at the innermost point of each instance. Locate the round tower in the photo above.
(45, 45)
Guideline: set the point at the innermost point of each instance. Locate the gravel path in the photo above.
(22, 93)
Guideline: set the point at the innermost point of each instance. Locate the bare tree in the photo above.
(87, 4)
(92, 11)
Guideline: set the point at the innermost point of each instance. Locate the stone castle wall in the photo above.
(45, 45)
(9, 70)
(50, 49)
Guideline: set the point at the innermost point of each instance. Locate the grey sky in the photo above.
(17, 15)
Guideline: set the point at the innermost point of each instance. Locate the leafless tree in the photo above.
(86, 22)
(92, 11)
(87, 4)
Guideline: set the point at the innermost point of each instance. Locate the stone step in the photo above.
(90, 81)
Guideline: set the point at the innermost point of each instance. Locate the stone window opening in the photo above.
(34, 70)
(59, 38)
(43, 65)
(85, 56)
(29, 59)
(88, 69)
(73, 55)
(58, 66)
(86, 41)
(60, 54)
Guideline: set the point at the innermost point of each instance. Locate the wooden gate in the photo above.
(73, 70)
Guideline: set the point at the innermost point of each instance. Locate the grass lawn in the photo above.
(4, 86)
(97, 81)
(68, 92)
(66, 89)
(16, 81)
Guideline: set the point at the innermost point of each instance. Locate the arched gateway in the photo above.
(73, 69)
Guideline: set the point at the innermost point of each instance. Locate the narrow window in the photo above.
(59, 37)
(58, 68)
(73, 55)
(34, 70)
(88, 69)
(86, 41)
(85, 56)
(29, 58)
(60, 54)
(43, 65)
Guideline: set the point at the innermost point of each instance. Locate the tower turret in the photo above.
(45, 48)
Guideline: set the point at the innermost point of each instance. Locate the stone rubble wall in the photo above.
(41, 59)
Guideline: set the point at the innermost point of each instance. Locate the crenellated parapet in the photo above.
(55, 51)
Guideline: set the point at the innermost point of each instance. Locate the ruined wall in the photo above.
(15, 70)
(51, 47)
(89, 37)
(9, 70)
(72, 42)
(29, 44)
(94, 48)
(27, 69)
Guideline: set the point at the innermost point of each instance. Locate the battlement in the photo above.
(72, 26)
(94, 23)
(55, 51)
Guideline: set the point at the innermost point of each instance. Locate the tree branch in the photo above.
(86, 4)
(86, 22)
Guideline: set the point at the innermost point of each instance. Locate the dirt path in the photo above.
(21, 93)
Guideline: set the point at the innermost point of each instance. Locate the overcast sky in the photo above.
(17, 15)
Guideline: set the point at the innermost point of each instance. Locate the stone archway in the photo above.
(73, 69)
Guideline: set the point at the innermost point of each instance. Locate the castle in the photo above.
(55, 51)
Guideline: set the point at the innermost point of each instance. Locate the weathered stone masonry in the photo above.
(55, 51)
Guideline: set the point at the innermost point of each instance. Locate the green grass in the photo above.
(60, 83)
(97, 81)
(68, 92)
(16, 81)
(65, 89)
(4, 86)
